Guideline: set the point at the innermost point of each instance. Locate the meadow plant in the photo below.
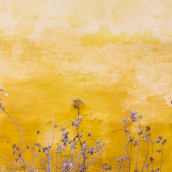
(76, 154)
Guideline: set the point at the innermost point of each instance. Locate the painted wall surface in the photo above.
(116, 55)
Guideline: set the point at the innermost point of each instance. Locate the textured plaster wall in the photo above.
(116, 55)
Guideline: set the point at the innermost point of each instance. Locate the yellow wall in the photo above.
(116, 55)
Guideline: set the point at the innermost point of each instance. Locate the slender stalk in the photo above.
(4, 162)
(124, 146)
(19, 137)
(161, 156)
(146, 154)
(138, 146)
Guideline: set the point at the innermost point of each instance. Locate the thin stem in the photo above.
(4, 162)
(138, 146)
(161, 156)
(19, 136)
(146, 154)
(124, 146)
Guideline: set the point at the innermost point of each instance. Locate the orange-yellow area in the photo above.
(114, 55)
(103, 37)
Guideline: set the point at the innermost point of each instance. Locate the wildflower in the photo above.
(123, 119)
(164, 141)
(80, 135)
(73, 122)
(147, 128)
(1, 89)
(90, 150)
(79, 118)
(157, 169)
(89, 135)
(63, 129)
(58, 151)
(55, 126)
(130, 139)
(83, 154)
(158, 150)
(160, 137)
(107, 167)
(127, 131)
(133, 112)
(80, 101)
(127, 120)
(38, 132)
(98, 141)
(70, 164)
(77, 123)
(157, 141)
(65, 134)
(97, 147)
(145, 138)
(14, 152)
(135, 143)
(140, 132)
(147, 165)
(151, 159)
(59, 147)
(74, 100)
(14, 146)
(134, 118)
(17, 148)
(2, 107)
(136, 170)
(75, 105)
(102, 145)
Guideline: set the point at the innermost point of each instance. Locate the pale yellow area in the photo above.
(116, 55)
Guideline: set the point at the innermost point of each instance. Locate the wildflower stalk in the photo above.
(146, 154)
(161, 156)
(124, 146)
(48, 151)
(4, 162)
(19, 137)
(138, 146)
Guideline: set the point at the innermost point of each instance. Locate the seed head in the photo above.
(74, 100)
(63, 129)
(164, 141)
(80, 101)
(140, 132)
(147, 128)
(158, 150)
(160, 137)
(151, 159)
(79, 118)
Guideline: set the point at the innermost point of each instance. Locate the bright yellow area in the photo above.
(116, 55)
